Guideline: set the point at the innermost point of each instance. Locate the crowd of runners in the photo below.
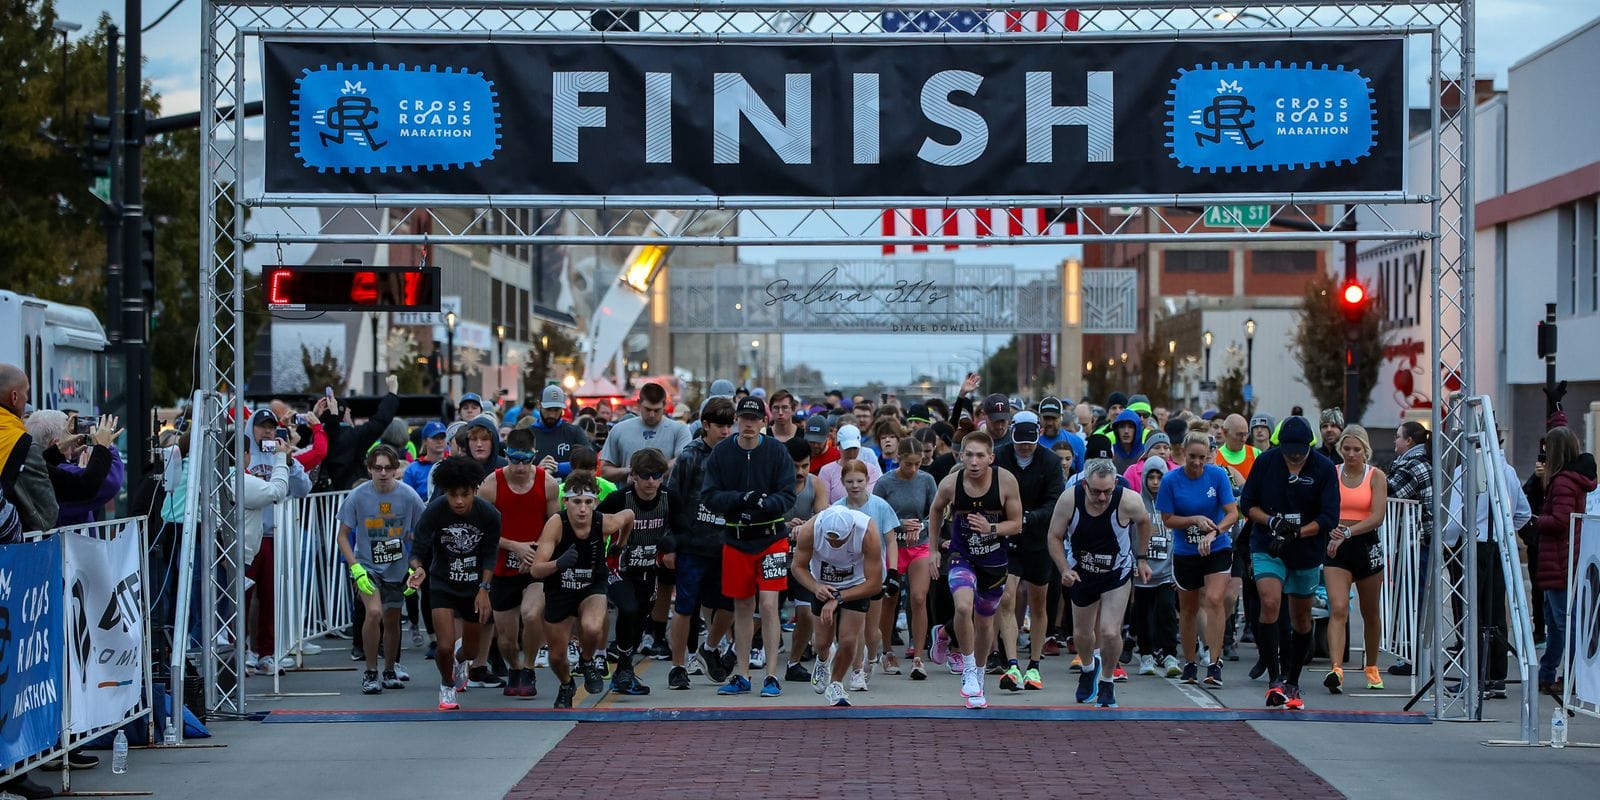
(763, 545)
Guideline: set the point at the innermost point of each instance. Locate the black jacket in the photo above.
(347, 446)
(1039, 484)
(765, 475)
(696, 530)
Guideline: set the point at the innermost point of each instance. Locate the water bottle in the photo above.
(170, 735)
(1558, 729)
(119, 754)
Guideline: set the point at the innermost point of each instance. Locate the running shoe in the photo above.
(1374, 678)
(888, 663)
(252, 661)
(1214, 675)
(770, 687)
(1088, 681)
(1171, 667)
(955, 662)
(711, 663)
(797, 673)
(1119, 675)
(1275, 695)
(1147, 665)
(1230, 653)
(996, 664)
(1011, 679)
(1077, 663)
(678, 678)
(482, 678)
(1258, 669)
(310, 649)
(1294, 702)
(565, 694)
(400, 672)
(391, 680)
(1191, 673)
(267, 666)
(738, 684)
(460, 676)
(978, 700)
(1401, 668)
(1072, 646)
(819, 676)
(858, 680)
(416, 636)
(1107, 695)
(572, 652)
(594, 678)
(625, 681)
(542, 660)
(433, 650)
(1334, 680)
(447, 698)
(834, 694)
(758, 658)
(357, 653)
(369, 682)
(1126, 656)
(918, 671)
(513, 686)
(1032, 679)
(729, 661)
(529, 686)
(1052, 647)
(941, 645)
(971, 682)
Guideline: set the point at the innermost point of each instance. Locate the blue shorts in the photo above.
(699, 582)
(1296, 582)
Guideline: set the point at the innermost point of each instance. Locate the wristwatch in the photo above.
(484, 586)
(837, 598)
(993, 529)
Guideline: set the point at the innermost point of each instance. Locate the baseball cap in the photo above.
(837, 520)
(849, 437)
(1098, 446)
(1261, 421)
(997, 406)
(917, 413)
(817, 428)
(553, 397)
(264, 418)
(1025, 428)
(1050, 407)
(432, 429)
(751, 406)
(1295, 436)
(471, 397)
(721, 387)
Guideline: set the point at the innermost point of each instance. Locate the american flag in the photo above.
(982, 221)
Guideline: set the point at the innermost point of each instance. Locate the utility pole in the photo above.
(1352, 348)
(135, 313)
(111, 217)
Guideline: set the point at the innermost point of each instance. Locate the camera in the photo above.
(303, 419)
(83, 426)
(269, 446)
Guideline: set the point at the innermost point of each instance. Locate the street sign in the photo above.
(101, 188)
(1237, 216)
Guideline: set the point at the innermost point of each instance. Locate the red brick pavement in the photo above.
(823, 758)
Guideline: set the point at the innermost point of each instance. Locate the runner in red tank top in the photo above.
(525, 496)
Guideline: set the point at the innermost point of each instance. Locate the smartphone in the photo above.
(282, 434)
(883, 398)
(269, 446)
(327, 391)
(83, 425)
(303, 419)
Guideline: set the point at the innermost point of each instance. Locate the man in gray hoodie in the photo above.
(1155, 601)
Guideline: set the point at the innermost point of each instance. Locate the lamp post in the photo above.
(450, 351)
(1250, 362)
(376, 381)
(1206, 337)
(500, 353)
(1172, 375)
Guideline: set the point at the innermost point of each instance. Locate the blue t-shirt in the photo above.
(1206, 496)
(1073, 440)
(882, 513)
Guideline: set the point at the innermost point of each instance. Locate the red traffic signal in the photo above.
(1353, 301)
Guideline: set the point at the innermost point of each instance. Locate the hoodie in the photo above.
(557, 441)
(1160, 538)
(1565, 495)
(496, 460)
(1121, 456)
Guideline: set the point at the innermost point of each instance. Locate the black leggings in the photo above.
(634, 599)
(1155, 619)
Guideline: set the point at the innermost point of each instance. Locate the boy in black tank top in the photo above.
(634, 595)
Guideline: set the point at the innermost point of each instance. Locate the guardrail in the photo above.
(1402, 580)
(312, 591)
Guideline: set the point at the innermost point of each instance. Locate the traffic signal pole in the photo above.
(1352, 378)
(135, 316)
(111, 217)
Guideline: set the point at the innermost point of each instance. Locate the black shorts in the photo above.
(1361, 556)
(1190, 572)
(562, 604)
(506, 591)
(1032, 566)
(1092, 585)
(861, 604)
(448, 598)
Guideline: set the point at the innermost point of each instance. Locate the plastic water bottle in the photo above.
(119, 754)
(1558, 729)
(170, 735)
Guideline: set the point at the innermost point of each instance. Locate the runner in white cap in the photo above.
(839, 563)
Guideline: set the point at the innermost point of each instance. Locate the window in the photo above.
(1196, 260)
(1284, 261)
(1578, 270)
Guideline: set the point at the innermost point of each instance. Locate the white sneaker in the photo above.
(978, 700)
(460, 676)
(267, 666)
(400, 672)
(972, 682)
(820, 672)
(1171, 666)
(251, 660)
(758, 658)
(416, 636)
(542, 660)
(447, 698)
(289, 662)
(647, 643)
(1147, 665)
(310, 649)
(835, 695)
(574, 658)
(858, 680)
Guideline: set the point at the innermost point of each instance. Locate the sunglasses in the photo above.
(383, 467)
(519, 456)
(650, 476)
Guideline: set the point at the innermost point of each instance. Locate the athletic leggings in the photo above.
(634, 598)
(1155, 619)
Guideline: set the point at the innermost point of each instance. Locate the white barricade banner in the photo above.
(1585, 656)
(104, 628)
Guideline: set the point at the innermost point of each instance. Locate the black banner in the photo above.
(820, 120)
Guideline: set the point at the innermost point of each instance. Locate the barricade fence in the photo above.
(312, 587)
(104, 590)
(1402, 579)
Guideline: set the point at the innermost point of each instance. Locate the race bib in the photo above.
(980, 544)
(387, 551)
(577, 578)
(1160, 547)
(775, 566)
(1094, 562)
(642, 557)
(835, 574)
(1375, 556)
(513, 561)
(464, 570)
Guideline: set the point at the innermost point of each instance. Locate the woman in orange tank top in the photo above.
(1355, 555)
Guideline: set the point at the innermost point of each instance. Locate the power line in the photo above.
(164, 15)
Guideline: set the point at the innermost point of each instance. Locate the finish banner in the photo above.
(1091, 117)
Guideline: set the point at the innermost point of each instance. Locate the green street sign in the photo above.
(1237, 216)
(101, 188)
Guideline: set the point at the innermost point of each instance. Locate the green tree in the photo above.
(1153, 380)
(1000, 370)
(1097, 384)
(1230, 391)
(555, 344)
(322, 371)
(1320, 340)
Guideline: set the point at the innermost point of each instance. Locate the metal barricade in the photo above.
(1402, 580)
(312, 595)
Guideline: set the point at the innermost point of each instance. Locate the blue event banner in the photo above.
(31, 650)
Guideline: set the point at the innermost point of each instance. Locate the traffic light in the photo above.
(101, 149)
(147, 260)
(1353, 301)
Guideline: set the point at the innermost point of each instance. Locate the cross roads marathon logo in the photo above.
(383, 118)
(1279, 117)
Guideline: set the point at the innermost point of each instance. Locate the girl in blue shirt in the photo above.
(1198, 506)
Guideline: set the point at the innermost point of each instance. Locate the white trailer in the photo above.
(61, 348)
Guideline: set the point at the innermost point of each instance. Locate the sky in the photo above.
(1509, 30)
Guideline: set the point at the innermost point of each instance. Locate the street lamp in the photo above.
(1172, 374)
(1206, 337)
(500, 346)
(1250, 361)
(450, 349)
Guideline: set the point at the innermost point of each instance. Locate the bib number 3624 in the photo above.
(774, 566)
